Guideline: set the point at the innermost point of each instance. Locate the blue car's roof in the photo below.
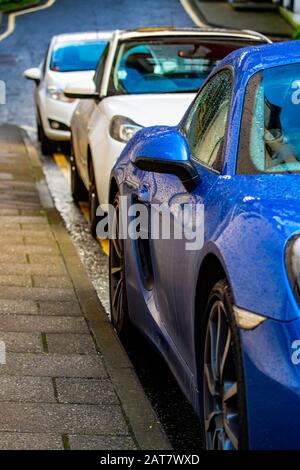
(250, 60)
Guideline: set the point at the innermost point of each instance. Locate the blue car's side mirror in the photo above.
(165, 150)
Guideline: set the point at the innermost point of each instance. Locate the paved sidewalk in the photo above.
(219, 13)
(67, 382)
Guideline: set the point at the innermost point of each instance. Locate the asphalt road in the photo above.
(25, 48)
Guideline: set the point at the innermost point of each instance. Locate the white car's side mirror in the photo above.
(85, 89)
(34, 74)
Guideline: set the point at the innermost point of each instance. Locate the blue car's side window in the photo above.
(205, 127)
(269, 136)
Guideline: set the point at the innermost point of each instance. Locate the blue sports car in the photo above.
(224, 315)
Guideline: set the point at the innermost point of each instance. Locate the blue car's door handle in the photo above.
(144, 193)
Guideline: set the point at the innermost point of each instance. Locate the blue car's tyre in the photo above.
(117, 280)
(224, 423)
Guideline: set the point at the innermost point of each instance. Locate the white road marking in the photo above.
(11, 22)
(195, 18)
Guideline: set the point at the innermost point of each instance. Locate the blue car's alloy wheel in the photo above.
(223, 407)
(117, 281)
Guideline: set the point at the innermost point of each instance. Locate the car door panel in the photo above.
(175, 267)
(82, 117)
(173, 271)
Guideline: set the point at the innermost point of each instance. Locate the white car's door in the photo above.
(98, 123)
(80, 137)
(41, 89)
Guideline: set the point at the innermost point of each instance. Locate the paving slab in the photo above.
(16, 341)
(30, 441)
(71, 343)
(26, 389)
(62, 309)
(45, 324)
(29, 249)
(13, 307)
(12, 258)
(37, 293)
(88, 391)
(50, 281)
(79, 442)
(60, 418)
(15, 280)
(51, 270)
(53, 365)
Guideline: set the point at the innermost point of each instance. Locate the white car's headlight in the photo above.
(123, 129)
(57, 94)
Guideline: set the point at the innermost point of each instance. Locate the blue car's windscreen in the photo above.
(269, 138)
(167, 66)
(76, 57)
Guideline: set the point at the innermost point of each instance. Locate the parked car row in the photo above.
(144, 77)
(224, 316)
(70, 57)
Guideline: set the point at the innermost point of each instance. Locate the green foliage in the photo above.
(13, 5)
(296, 34)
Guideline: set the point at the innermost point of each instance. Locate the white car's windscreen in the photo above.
(168, 65)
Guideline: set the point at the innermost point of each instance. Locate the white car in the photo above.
(144, 77)
(70, 57)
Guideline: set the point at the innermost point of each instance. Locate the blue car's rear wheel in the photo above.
(223, 388)
(117, 281)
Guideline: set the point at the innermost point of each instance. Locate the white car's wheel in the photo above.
(78, 190)
(39, 131)
(93, 203)
(47, 146)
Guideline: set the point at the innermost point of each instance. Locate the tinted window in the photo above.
(45, 60)
(205, 127)
(100, 69)
(269, 137)
(75, 57)
(167, 66)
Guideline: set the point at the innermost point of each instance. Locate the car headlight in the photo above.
(123, 128)
(57, 94)
(292, 260)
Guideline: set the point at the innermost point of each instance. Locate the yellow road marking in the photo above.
(105, 246)
(84, 207)
(11, 23)
(63, 164)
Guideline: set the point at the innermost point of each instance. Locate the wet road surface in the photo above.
(26, 47)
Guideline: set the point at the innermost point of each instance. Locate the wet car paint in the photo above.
(248, 221)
